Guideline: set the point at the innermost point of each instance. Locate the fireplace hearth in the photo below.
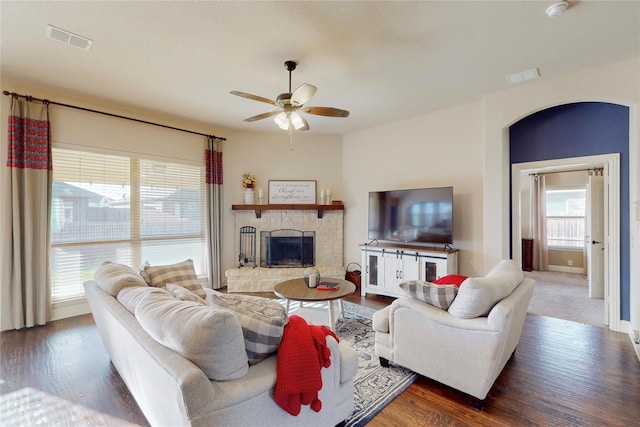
(287, 248)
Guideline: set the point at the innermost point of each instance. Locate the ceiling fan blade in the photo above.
(262, 116)
(303, 94)
(326, 111)
(254, 97)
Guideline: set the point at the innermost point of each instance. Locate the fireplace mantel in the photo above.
(335, 206)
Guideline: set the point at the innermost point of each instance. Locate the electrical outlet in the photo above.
(570, 262)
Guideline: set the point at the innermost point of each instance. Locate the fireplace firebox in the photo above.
(287, 248)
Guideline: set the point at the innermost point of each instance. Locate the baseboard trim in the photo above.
(563, 269)
(70, 308)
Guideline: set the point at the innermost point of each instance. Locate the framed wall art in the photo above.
(292, 192)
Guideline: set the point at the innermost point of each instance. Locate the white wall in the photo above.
(443, 148)
(270, 157)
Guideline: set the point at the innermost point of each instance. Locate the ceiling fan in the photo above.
(290, 104)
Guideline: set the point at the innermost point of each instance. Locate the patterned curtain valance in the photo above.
(29, 136)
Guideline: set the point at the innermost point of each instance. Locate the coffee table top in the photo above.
(297, 290)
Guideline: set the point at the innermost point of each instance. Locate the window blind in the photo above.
(566, 218)
(121, 209)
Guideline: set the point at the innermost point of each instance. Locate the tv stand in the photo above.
(386, 265)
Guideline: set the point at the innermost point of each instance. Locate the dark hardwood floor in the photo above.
(563, 374)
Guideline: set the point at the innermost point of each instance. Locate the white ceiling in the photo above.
(382, 61)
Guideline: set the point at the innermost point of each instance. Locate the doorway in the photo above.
(611, 245)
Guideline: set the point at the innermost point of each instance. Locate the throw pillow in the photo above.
(440, 296)
(209, 337)
(451, 279)
(113, 277)
(262, 320)
(130, 297)
(184, 294)
(477, 295)
(182, 273)
(143, 273)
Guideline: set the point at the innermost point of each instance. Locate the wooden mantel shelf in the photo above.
(335, 206)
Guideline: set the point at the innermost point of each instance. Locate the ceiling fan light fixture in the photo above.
(282, 120)
(289, 119)
(297, 121)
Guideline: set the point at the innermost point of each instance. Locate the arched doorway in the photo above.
(561, 135)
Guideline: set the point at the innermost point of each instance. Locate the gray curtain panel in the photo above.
(26, 200)
(539, 223)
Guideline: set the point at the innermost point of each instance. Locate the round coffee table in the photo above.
(297, 290)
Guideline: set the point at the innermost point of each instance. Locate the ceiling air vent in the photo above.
(522, 76)
(68, 38)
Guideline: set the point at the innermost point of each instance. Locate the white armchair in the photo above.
(467, 354)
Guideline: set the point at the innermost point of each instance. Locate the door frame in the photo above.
(611, 164)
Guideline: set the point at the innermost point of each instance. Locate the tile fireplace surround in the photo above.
(329, 247)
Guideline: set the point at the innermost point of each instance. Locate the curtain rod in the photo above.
(46, 101)
(572, 170)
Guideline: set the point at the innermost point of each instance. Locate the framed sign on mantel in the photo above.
(292, 192)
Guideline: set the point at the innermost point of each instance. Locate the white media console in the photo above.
(385, 266)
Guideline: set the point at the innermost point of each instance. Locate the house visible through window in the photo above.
(566, 217)
(124, 210)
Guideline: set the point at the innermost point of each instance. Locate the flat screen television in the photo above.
(420, 215)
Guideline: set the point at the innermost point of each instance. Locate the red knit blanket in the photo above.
(302, 353)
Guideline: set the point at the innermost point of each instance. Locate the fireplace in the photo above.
(287, 248)
(327, 233)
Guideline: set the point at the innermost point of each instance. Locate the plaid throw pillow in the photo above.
(184, 294)
(262, 320)
(440, 296)
(182, 273)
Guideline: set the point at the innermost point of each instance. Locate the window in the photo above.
(566, 217)
(121, 209)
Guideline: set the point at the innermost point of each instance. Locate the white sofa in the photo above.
(468, 350)
(172, 391)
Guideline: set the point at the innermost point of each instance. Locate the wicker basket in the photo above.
(354, 276)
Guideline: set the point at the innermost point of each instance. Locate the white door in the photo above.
(595, 237)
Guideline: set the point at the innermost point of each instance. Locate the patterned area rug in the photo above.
(375, 386)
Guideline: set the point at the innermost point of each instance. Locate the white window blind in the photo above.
(566, 218)
(124, 210)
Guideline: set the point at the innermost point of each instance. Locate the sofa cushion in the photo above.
(440, 296)
(209, 337)
(182, 273)
(130, 297)
(477, 295)
(262, 319)
(183, 294)
(451, 279)
(113, 277)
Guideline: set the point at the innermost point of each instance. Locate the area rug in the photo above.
(375, 386)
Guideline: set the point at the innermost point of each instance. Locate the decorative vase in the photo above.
(248, 196)
(311, 277)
